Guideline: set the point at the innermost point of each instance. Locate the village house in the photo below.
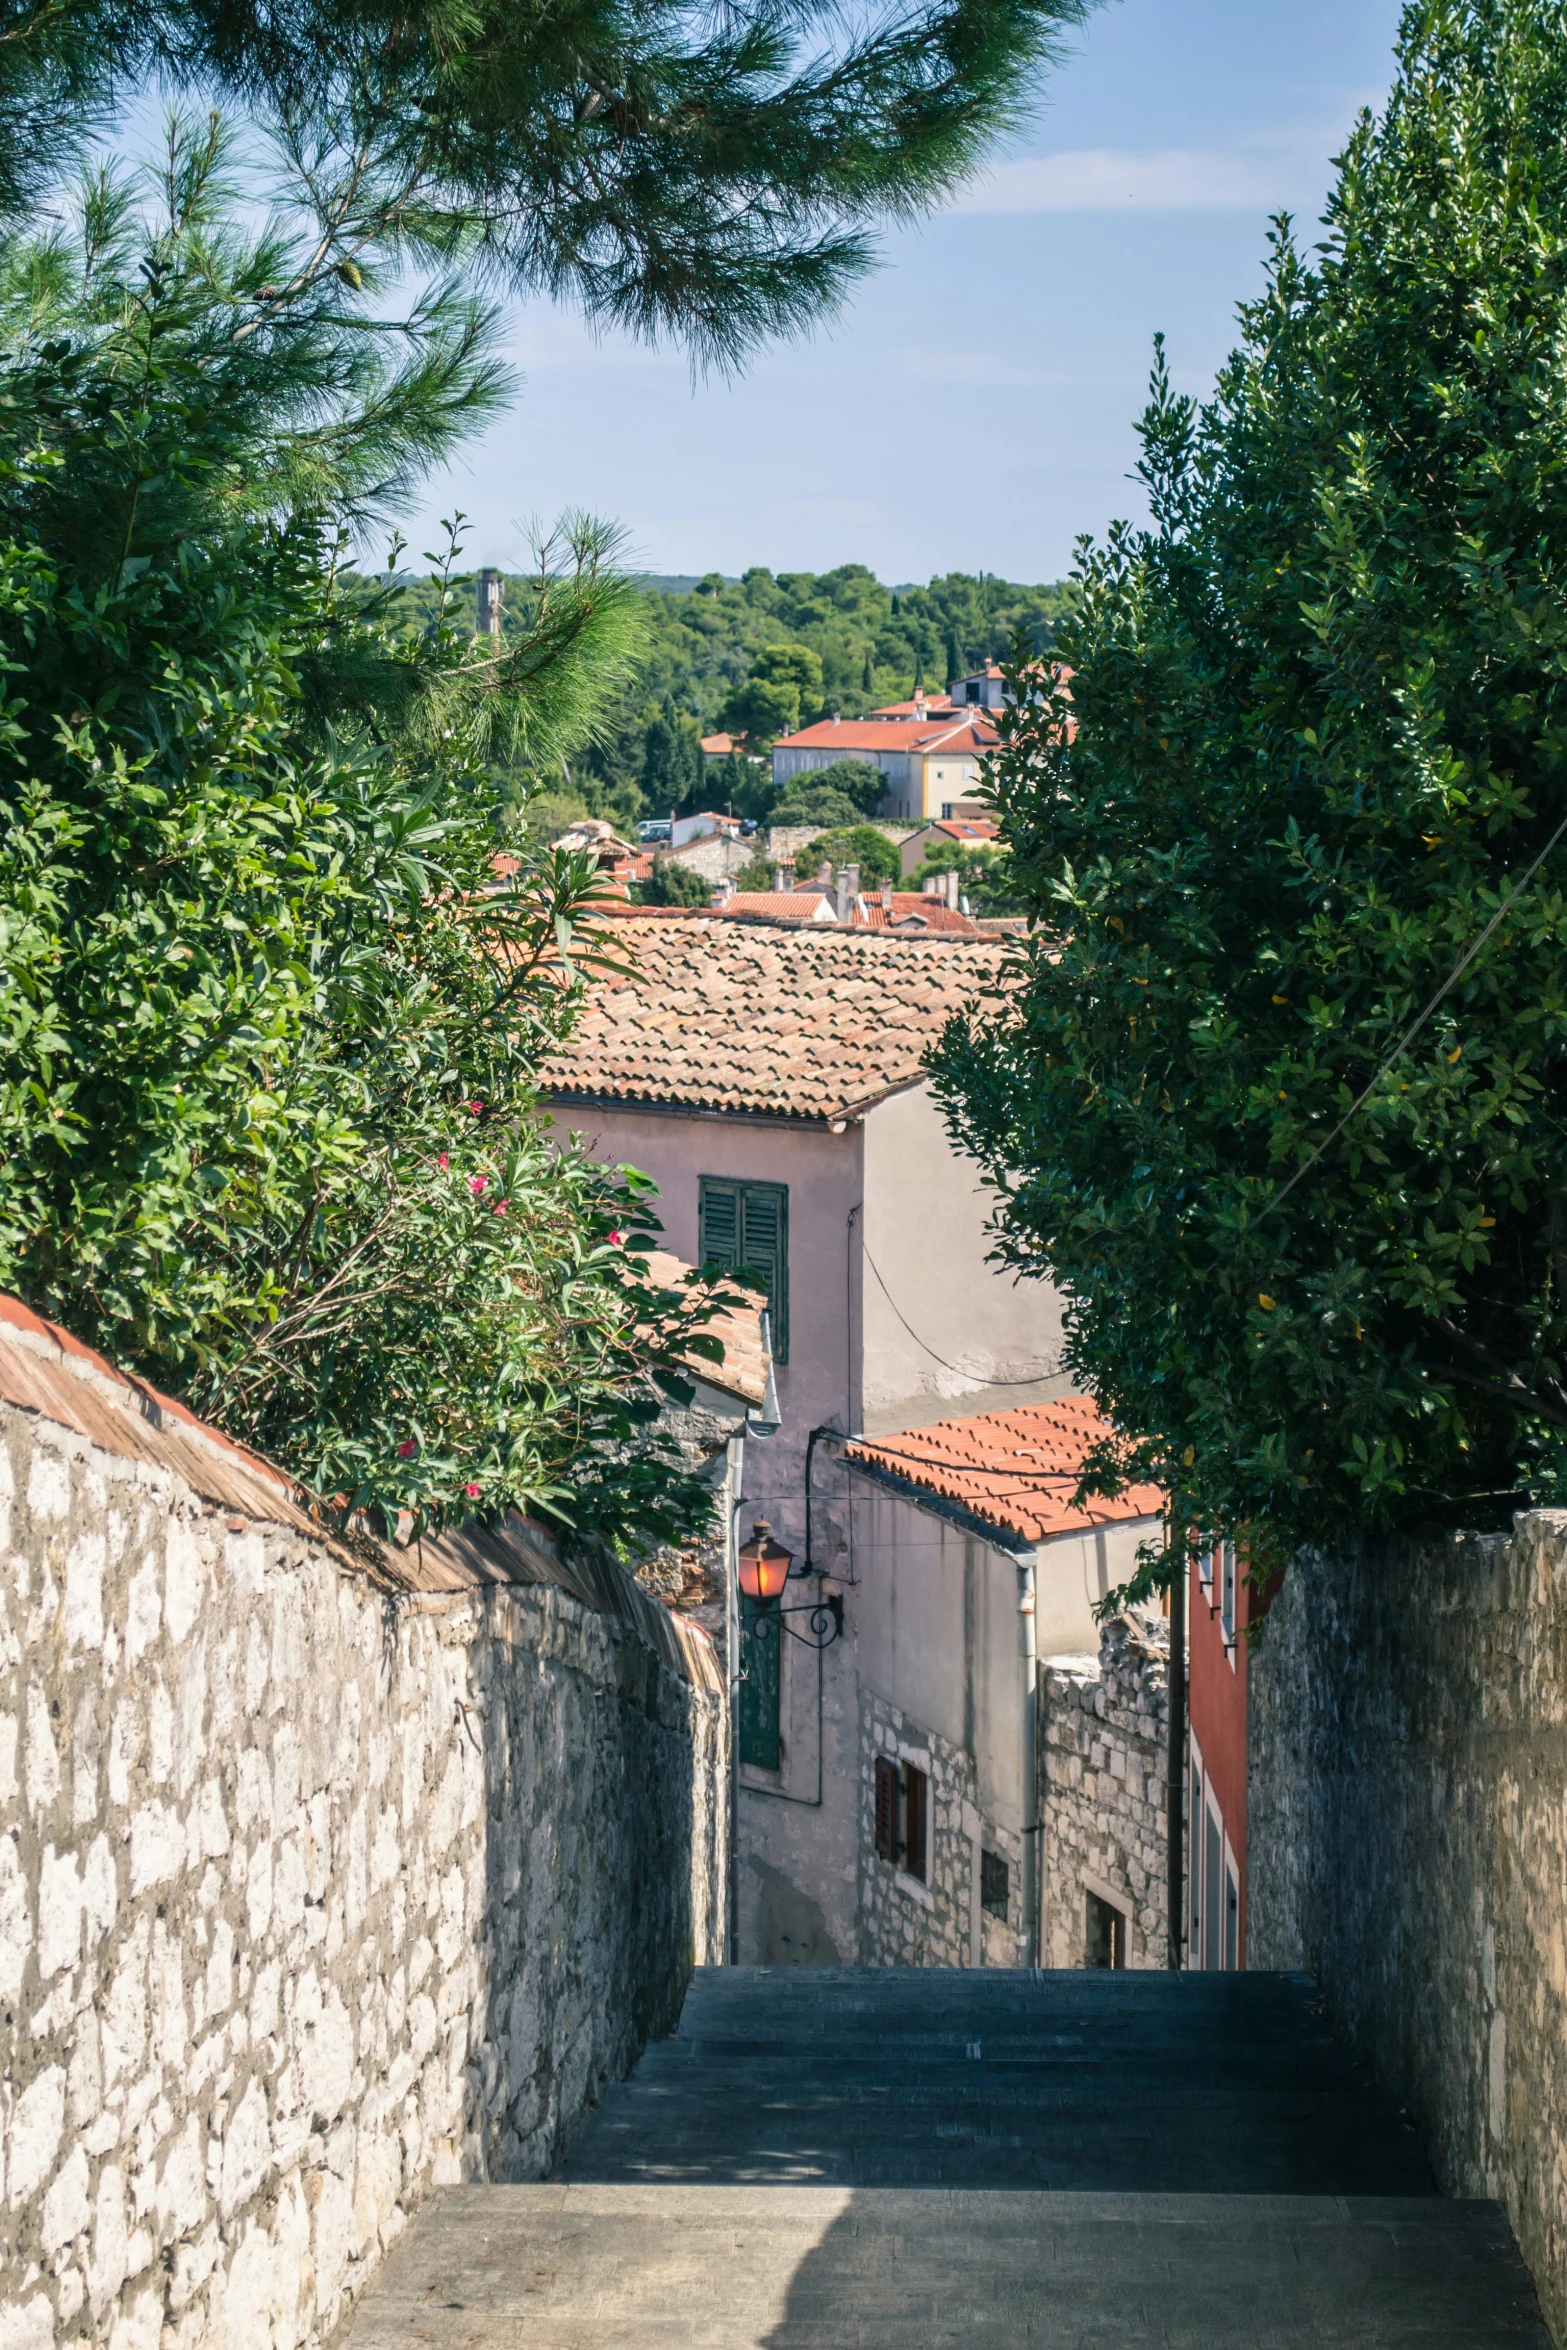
(969, 1568)
(934, 764)
(947, 832)
(770, 1078)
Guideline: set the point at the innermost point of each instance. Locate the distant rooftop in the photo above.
(1014, 1470)
(764, 1018)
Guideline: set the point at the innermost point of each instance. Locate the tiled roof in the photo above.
(743, 1371)
(788, 905)
(814, 1021)
(844, 735)
(966, 827)
(935, 704)
(915, 910)
(1012, 1470)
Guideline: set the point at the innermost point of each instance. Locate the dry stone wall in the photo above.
(313, 1895)
(1407, 1841)
(904, 1922)
(1104, 1762)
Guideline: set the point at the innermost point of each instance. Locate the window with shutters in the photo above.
(886, 1808)
(994, 1883)
(916, 1810)
(761, 1740)
(745, 1227)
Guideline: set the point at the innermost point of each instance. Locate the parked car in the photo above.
(657, 828)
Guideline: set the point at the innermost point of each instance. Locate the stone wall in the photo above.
(316, 1890)
(1407, 1841)
(1104, 1760)
(941, 1922)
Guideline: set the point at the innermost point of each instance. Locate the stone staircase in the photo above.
(897, 2160)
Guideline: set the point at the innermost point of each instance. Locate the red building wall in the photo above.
(1217, 1709)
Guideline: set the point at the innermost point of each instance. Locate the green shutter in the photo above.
(745, 1226)
(760, 1742)
(719, 1217)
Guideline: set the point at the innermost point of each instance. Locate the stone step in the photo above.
(1050, 2081)
(596, 2267)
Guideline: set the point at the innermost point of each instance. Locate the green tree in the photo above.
(857, 844)
(986, 876)
(671, 763)
(809, 802)
(672, 884)
(270, 1010)
(783, 691)
(1281, 1097)
(718, 179)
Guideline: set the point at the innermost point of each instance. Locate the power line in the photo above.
(1410, 1033)
(955, 1368)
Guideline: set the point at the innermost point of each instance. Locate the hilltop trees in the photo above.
(1282, 1100)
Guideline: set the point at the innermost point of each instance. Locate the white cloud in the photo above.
(1114, 179)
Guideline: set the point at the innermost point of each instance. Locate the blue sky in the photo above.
(971, 409)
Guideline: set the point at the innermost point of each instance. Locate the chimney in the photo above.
(848, 891)
(886, 897)
(824, 875)
(920, 710)
(783, 875)
(952, 888)
(490, 605)
(933, 885)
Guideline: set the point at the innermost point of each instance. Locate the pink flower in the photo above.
(476, 1108)
(405, 1452)
(476, 1184)
(500, 1207)
(472, 1491)
(617, 1240)
(443, 1162)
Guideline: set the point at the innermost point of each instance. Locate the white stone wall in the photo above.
(312, 1896)
(1104, 1764)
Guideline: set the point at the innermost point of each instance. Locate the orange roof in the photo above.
(798, 1020)
(718, 745)
(1014, 1470)
(961, 733)
(790, 905)
(934, 705)
(914, 909)
(966, 827)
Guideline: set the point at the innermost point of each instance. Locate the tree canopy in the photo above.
(270, 1010)
(715, 177)
(1279, 1099)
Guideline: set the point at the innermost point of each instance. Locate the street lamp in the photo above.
(763, 1566)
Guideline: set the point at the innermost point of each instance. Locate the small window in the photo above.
(745, 1228)
(1105, 1937)
(886, 1808)
(916, 1806)
(761, 1736)
(1205, 1566)
(947, 807)
(994, 1883)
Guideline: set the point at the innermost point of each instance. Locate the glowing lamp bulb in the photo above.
(764, 1565)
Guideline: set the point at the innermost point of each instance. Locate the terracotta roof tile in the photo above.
(815, 1021)
(945, 730)
(1012, 1470)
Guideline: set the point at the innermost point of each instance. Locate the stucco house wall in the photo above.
(943, 1323)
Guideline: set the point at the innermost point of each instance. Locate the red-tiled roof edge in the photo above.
(897, 1461)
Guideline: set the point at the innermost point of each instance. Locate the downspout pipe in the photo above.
(732, 1674)
(1030, 1726)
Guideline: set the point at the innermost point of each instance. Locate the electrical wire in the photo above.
(956, 1368)
(1410, 1033)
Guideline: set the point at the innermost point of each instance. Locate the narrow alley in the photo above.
(826, 2159)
